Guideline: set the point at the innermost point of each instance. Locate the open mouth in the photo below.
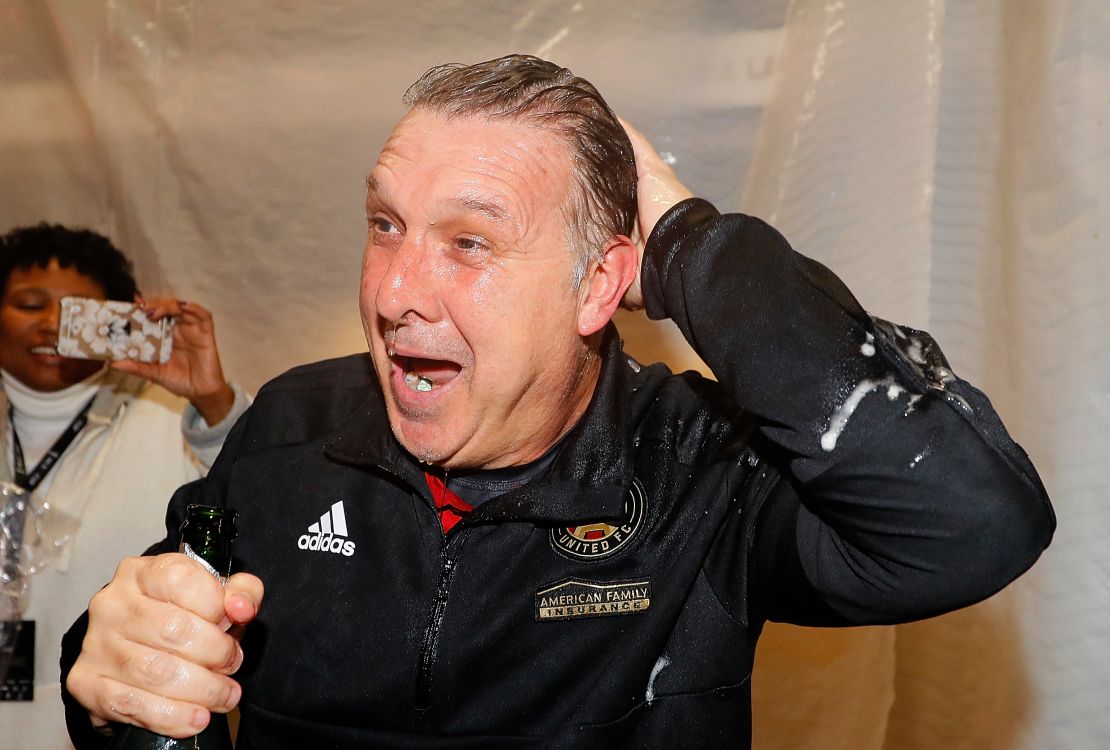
(422, 375)
(48, 350)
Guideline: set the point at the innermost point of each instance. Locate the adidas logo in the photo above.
(329, 533)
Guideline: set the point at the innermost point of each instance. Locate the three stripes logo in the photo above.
(329, 534)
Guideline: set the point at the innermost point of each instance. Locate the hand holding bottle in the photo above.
(157, 652)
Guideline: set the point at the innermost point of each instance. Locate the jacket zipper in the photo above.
(429, 646)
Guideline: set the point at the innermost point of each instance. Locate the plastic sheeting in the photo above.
(950, 161)
(947, 159)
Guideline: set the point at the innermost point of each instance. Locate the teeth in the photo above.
(418, 382)
(43, 350)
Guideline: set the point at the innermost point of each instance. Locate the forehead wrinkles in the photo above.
(506, 184)
(513, 173)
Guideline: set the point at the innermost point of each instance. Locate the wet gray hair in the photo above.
(528, 89)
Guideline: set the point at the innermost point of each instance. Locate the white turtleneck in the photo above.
(39, 417)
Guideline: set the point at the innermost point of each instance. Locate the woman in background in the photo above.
(125, 436)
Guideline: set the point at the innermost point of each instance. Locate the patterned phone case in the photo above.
(107, 329)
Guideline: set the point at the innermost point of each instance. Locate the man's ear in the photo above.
(605, 283)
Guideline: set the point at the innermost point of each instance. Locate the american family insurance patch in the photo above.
(572, 599)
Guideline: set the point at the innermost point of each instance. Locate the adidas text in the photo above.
(327, 543)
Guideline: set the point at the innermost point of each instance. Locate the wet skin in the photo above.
(29, 311)
(478, 335)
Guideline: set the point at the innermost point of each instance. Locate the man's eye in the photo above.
(470, 245)
(384, 226)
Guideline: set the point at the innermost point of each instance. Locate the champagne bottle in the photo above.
(206, 537)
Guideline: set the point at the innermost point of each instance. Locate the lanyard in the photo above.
(30, 481)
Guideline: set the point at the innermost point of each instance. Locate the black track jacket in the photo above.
(837, 473)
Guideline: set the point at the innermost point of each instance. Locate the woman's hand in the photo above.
(193, 370)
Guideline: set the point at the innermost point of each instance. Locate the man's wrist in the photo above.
(666, 240)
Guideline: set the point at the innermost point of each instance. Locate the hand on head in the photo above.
(161, 644)
(658, 189)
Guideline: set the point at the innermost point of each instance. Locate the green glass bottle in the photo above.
(206, 537)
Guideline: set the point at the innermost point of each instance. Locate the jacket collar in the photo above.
(588, 477)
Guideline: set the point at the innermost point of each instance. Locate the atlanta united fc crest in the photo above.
(596, 541)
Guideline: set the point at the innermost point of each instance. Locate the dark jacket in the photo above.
(837, 473)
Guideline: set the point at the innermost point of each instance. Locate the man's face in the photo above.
(467, 296)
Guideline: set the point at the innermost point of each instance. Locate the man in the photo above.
(500, 531)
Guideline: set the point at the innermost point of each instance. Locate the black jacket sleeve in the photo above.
(901, 495)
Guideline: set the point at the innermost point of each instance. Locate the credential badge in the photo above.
(595, 541)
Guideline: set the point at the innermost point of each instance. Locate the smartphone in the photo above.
(108, 329)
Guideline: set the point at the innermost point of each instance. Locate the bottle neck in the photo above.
(206, 536)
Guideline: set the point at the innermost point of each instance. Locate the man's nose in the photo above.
(411, 284)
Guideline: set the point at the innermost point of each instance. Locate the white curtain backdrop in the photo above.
(948, 159)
